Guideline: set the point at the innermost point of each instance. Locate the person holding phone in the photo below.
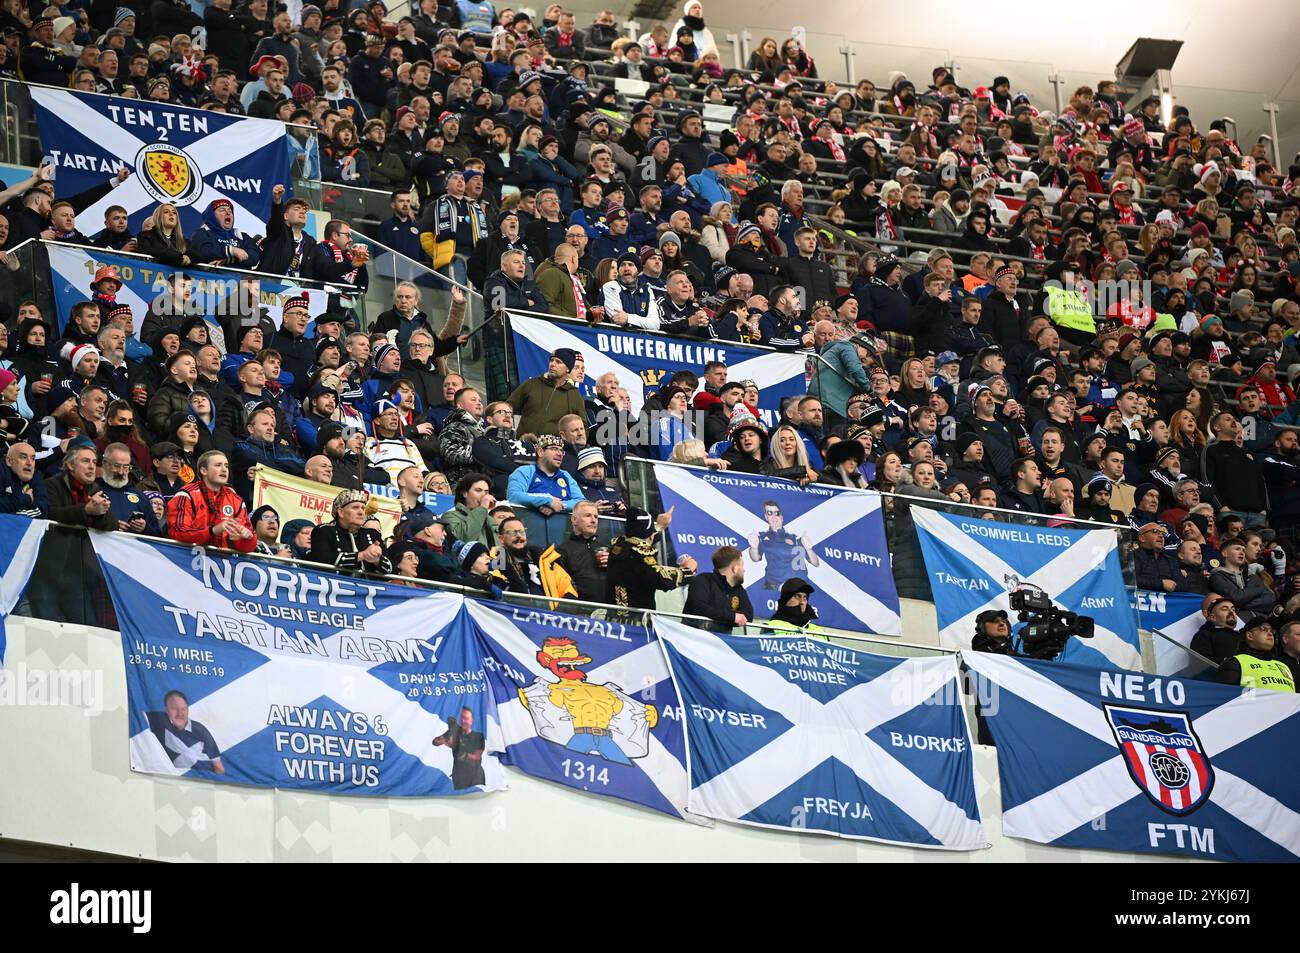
(126, 497)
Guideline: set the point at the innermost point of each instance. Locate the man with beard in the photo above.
(346, 458)
(520, 568)
(541, 401)
(1280, 466)
(125, 497)
(114, 373)
(498, 451)
(61, 424)
(720, 595)
(346, 543)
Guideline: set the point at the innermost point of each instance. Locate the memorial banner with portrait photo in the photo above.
(833, 538)
(584, 702)
(643, 361)
(975, 564)
(212, 294)
(796, 734)
(266, 674)
(187, 157)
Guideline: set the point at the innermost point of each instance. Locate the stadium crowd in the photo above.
(1087, 315)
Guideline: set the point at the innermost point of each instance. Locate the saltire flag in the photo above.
(584, 702)
(20, 544)
(1124, 761)
(833, 538)
(795, 734)
(188, 157)
(643, 360)
(73, 269)
(272, 675)
(1177, 615)
(974, 564)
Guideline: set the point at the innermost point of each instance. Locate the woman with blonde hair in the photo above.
(1247, 245)
(1124, 172)
(915, 385)
(693, 453)
(162, 239)
(1148, 236)
(718, 232)
(788, 458)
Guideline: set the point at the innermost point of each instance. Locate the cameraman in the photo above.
(993, 633)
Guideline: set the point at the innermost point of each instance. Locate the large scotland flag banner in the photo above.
(20, 544)
(73, 269)
(283, 677)
(642, 360)
(587, 703)
(833, 538)
(1125, 761)
(188, 157)
(801, 735)
(974, 564)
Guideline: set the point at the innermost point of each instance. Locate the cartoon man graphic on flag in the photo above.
(603, 719)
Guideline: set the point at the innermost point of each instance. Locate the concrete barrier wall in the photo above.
(63, 745)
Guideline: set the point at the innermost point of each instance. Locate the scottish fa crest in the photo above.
(1163, 756)
(168, 174)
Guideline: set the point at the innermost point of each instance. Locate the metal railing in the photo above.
(68, 586)
(910, 577)
(37, 279)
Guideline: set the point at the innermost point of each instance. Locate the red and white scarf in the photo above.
(351, 276)
(836, 152)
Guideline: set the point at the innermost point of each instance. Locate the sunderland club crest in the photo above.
(1163, 756)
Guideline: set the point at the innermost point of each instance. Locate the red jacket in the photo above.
(193, 512)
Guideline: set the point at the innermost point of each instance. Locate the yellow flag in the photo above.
(299, 498)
